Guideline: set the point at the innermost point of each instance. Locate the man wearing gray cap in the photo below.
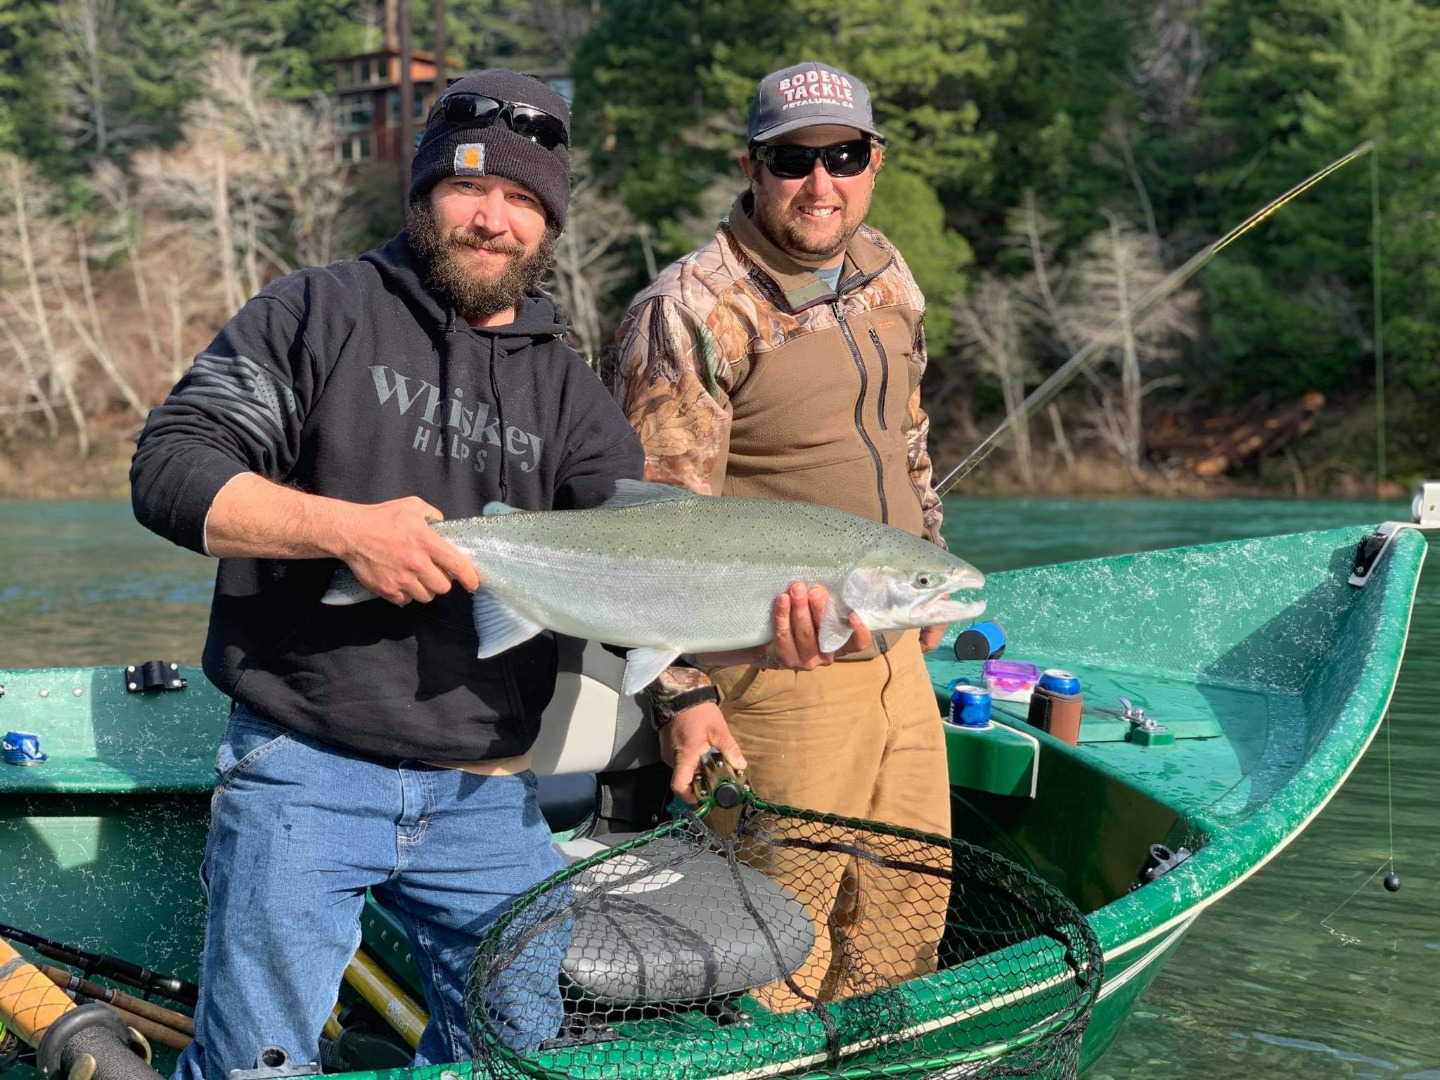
(783, 360)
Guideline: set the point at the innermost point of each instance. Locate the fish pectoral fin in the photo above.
(834, 627)
(345, 589)
(644, 666)
(638, 492)
(495, 508)
(499, 625)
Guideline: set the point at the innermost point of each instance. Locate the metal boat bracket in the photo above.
(153, 675)
(273, 1061)
(1424, 515)
(1159, 861)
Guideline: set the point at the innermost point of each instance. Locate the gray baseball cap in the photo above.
(809, 95)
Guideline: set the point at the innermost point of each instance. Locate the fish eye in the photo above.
(924, 581)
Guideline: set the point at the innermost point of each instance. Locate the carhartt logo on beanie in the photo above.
(462, 149)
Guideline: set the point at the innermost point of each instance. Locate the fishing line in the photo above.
(1046, 391)
(1346, 939)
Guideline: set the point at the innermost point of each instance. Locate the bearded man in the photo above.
(338, 413)
(783, 360)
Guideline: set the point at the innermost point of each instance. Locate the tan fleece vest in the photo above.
(820, 416)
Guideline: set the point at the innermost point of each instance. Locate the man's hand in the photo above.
(795, 644)
(396, 555)
(930, 636)
(690, 736)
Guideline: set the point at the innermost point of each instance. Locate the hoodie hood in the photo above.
(399, 264)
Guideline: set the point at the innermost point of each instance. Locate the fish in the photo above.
(664, 572)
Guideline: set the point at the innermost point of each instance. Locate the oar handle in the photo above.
(29, 1002)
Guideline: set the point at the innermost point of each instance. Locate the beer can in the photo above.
(1056, 706)
(969, 705)
(1060, 682)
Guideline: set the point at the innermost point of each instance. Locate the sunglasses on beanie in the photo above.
(479, 111)
(793, 162)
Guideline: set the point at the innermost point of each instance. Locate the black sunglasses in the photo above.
(793, 162)
(477, 110)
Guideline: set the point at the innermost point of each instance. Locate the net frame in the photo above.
(1022, 1054)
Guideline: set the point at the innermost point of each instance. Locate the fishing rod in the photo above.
(1043, 394)
(110, 967)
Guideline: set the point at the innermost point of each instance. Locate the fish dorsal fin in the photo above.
(499, 625)
(493, 509)
(638, 492)
(643, 666)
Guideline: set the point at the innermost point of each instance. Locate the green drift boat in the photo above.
(1262, 673)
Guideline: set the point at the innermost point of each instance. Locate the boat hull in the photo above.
(100, 847)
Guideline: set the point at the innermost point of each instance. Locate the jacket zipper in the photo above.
(884, 376)
(860, 414)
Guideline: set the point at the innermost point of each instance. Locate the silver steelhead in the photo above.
(663, 571)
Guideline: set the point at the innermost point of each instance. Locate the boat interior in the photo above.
(1245, 657)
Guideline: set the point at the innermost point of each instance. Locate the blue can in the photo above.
(983, 641)
(22, 748)
(969, 705)
(1060, 682)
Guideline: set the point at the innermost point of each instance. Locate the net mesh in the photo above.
(769, 941)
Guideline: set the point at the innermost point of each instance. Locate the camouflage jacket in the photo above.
(745, 374)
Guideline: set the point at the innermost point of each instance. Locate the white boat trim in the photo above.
(1034, 746)
(1112, 985)
(1191, 912)
(779, 1067)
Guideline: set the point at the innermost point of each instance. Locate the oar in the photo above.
(111, 967)
(385, 995)
(72, 1042)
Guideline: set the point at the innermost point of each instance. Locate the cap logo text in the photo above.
(818, 86)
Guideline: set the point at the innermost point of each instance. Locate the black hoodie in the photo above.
(356, 381)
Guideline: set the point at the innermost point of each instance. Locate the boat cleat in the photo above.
(1144, 731)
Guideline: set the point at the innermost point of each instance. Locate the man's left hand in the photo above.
(795, 621)
(930, 636)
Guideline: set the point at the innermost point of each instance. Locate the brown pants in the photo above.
(863, 739)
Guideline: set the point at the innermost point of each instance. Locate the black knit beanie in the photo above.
(448, 149)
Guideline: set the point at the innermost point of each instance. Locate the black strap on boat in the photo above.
(153, 675)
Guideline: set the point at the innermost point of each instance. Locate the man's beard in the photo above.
(446, 270)
(777, 222)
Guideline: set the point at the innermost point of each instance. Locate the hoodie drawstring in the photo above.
(499, 421)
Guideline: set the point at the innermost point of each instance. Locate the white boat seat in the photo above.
(589, 726)
(681, 933)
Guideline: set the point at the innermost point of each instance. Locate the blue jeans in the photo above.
(298, 832)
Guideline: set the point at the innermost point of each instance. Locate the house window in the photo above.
(364, 71)
(357, 113)
(392, 108)
(355, 149)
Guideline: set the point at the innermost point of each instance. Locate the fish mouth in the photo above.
(944, 610)
(941, 609)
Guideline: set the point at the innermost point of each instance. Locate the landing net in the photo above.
(767, 941)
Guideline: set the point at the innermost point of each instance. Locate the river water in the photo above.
(1259, 988)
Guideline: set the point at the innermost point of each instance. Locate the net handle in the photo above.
(719, 783)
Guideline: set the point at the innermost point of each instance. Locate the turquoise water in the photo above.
(1259, 988)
